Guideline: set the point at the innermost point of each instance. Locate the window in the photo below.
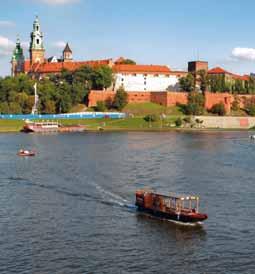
(37, 28)
(37, 41)
(122, 79)
(144, 82)
(134, 74)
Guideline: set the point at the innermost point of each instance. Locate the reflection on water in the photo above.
(71, 208)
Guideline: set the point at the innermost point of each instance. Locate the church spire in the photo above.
(36, 44)
(67, 54)
(17, 58)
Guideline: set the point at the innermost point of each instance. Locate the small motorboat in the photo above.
(24, 152)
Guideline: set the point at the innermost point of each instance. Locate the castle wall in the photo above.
(169, 98)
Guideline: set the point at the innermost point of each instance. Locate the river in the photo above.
(70, 208)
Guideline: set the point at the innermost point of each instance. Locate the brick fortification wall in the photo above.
(161, 98)
(168, 98)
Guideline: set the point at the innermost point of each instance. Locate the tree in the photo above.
(187, 83)
(4, 108)
(128, 62)
(203, 80)
(195, 104)
(50, 107)
(14, 108)
(218, 109)
(102, 78)
(120, 99)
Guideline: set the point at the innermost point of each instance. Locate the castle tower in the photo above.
(67, 54)
(36, 44)
(18, 59)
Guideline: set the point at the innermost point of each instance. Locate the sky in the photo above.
(167, 32)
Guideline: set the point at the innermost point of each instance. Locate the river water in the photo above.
(70, 209)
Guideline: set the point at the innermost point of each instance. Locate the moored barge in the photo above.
(180, 208)
(48, 127)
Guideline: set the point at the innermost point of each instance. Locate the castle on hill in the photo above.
(132, 77)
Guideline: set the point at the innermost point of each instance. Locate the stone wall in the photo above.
(227, 122)
(161, 98)
(170, 98)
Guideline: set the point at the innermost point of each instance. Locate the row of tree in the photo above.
(57, 93)
(216, 83)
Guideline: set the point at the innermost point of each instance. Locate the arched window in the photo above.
(37, 41)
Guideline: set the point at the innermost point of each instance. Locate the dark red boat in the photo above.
(27, 153)
(180, 208)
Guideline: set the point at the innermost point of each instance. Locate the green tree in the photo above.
(196, 102)
(203, 80)
(4, 108)
(128, 62)
(14, 108)
(102, 78)
(120, 99)
(50, 107)
(187, 83)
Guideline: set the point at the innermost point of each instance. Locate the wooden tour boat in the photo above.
(24, 152)
(180, 208)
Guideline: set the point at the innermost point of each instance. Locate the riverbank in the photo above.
(134, 124)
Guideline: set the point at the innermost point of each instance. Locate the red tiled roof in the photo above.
(141, 69)
(57, 67)
(219, 70)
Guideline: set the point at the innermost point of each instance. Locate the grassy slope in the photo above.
(136, 123)
(142, 109)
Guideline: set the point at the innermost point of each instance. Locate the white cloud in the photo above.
(58, 2)
(7, 24)
(59, 44)
(6, 45)
(244, 54)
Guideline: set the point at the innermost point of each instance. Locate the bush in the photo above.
(218, 109)
(101, 106)
(178, 122)
(187, 120)
(120, 99)
(251, 110)
(151, 118)
(250, 106)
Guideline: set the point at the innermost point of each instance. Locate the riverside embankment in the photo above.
(139, 124)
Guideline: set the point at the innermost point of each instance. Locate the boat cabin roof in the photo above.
(171, 195)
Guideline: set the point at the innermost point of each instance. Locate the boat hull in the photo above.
(173, 216)
(31, 154)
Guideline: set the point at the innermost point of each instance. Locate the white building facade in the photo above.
(142, 78)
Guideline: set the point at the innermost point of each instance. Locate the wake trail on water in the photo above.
(107, 197)
(114, 198)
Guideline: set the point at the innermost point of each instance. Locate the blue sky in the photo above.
(168, 32)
